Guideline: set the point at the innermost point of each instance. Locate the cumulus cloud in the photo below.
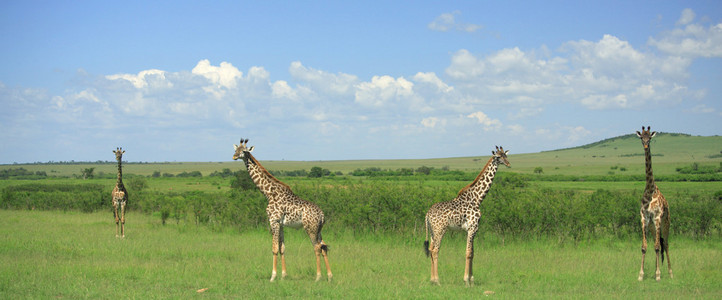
(142, 79)
(486, 121)
(605, 74)
(690, 39)
(608, 73)
(225, 75)
(382, 89)
(686, 17)
(431, 78)
(447, 21)
(326, 82)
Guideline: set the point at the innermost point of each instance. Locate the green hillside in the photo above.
(620, 155)
(669, 150)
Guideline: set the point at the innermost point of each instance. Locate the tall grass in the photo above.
(50, 254)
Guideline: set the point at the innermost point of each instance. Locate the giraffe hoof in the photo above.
(670, 274)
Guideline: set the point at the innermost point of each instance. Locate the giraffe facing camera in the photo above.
(654, 208)
(120, 196)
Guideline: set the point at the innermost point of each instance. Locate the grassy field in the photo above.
(75, 255)
(670, 152)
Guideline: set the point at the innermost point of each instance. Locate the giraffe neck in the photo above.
(119, 182)
(476, 191)
(263, 179)
(651, 186)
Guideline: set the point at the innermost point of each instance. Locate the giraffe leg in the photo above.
(468, 267)
(283, 257)
(665, 244)
(317, 250)
(644, 247)
(669, 264)
(117, 220)
(324, 252)
(657, 246)
(276, 246)
(435, 266)
(434, 253)
(122, 219)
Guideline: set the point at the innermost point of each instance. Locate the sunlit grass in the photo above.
(76, 255)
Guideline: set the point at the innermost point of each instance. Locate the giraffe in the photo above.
(461, 213)
(120, 196)
(285, 209)
(654, 208)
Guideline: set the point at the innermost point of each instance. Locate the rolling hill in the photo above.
(621, 155)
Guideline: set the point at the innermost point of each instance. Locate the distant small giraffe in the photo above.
(654, 208)
(461, 213)
(285, 209)
(120, 196)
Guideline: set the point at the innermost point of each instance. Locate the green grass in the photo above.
(75, 255)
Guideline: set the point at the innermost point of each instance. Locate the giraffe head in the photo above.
(119, 153)
(646, 136)
(500, 156)
(242, 151)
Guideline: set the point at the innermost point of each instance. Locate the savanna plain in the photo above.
(558, 224)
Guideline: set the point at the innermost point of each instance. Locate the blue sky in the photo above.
(184, 80)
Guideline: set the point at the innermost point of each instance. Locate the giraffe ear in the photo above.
(639, 134)
(235, 147)
(251, 149)
(493, 153)
(506, 152)
(654, 133)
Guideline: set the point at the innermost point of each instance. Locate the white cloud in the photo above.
(690, 39)
(225, 75)
(142, 78)
(482, 118)
(605, 74)
(605, 101)
(382, 89)
(431, 78)
(704, 109)
(281, 89)
(686, 17)
(325, 82)
(515, 129)
(431, 122)
(447, 21)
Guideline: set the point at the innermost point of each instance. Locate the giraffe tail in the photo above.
(426, 242)
(663, 245)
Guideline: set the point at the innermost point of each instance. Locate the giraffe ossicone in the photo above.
(285, 209)
(463, 213)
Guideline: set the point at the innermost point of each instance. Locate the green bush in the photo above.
(511, 209)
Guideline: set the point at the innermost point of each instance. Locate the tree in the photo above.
(87, 173)
(538, 170)
(242, 181)
(423, 170)
(316, 172)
